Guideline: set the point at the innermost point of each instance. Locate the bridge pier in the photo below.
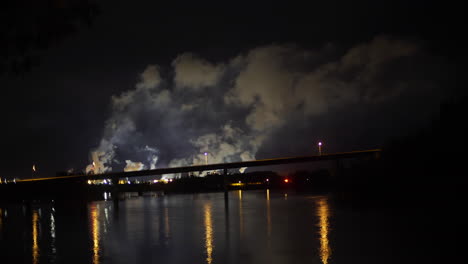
(225, 183)
(336, 169)
(115, 193)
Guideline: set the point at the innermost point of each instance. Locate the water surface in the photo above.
(252, 227)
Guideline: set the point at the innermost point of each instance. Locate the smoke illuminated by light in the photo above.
(229, 109)
(133, 166)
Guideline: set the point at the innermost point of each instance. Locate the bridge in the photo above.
(218, 166)
(75, 186)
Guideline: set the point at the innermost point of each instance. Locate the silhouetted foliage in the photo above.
(420, 166)
(29, 26)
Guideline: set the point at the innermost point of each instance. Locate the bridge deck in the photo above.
(218, 166)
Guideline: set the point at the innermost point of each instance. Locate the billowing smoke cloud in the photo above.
(228, 109)
(195, 73)
(133, 166)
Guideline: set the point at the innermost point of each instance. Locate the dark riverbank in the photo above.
(82, 190)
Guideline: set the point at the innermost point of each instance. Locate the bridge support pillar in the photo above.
(115, 192)
(225, 183)
(336, 169)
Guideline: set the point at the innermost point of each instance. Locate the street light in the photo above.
(206, 158)
(320, 148)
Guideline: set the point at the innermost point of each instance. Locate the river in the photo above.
(260, 226)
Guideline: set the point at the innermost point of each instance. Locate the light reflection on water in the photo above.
(167, 227)
(323, 214)
(251, 227)
(169, 230)
(52, 231)
(35, 235)
(268, 218)
(94, 215)
(208, 233)
(241, 215)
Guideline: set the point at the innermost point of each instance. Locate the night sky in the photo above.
(148, 85)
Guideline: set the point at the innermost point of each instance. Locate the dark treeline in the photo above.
(422, 166)
(28, 27)
(318, 181)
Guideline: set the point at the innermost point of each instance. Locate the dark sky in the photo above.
(239, 80)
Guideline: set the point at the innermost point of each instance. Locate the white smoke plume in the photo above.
(152, 156)
(228, 109)
(192, 72)
(134, 166)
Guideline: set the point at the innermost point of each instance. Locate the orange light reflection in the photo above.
(94, 214)
(241, 215)
(268, 218)
(323, 212)
(35, 245)
(208, 234)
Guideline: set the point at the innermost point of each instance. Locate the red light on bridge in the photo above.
(286, 180)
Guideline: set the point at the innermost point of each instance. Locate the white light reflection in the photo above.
(208, 234)
(52, 231)
(106, 222)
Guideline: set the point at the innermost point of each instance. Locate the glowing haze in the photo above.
(228, 109)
